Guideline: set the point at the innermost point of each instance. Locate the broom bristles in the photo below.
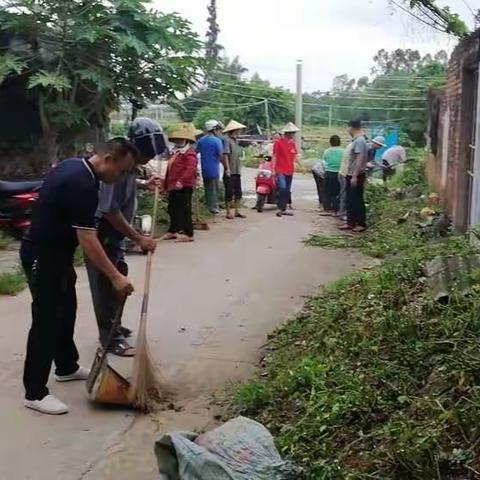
(147, 389)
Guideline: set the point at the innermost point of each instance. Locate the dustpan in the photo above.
(104, 384)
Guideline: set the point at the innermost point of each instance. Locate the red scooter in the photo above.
(265, 185)
(16, 203)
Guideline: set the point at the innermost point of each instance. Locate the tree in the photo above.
(404, 61)
(232, 68)
(430, 13)
(227, 95)
(396, 93)
(212, 48)
(79, 59)
(343, 83)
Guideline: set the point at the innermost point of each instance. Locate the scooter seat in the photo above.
(17, 188)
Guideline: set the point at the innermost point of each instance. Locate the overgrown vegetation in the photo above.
(5, 240)
(394, 214)
(146, 199)
(375, 379)
(12, 282)
(77, 61)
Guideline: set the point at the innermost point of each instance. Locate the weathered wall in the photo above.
(449, 163)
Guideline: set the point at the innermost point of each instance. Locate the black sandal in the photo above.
(121, 347)
(124, 331)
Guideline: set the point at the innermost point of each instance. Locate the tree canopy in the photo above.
(228, 95)
(430, 13)
(396, 93)
(80, 58)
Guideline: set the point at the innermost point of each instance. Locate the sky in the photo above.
(331, 37)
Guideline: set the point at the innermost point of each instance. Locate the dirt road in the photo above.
(212, 305)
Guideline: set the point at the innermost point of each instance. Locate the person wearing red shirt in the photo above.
(180, 180)
(285, 156)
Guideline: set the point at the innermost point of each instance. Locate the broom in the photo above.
(145, 384)
(199, 224)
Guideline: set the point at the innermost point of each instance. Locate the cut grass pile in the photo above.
(376, 380)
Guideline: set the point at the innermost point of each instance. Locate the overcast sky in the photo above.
(332, 37)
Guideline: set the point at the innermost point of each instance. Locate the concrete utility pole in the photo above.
(299, 105)
(267, 118)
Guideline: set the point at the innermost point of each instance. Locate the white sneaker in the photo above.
(49, 405)
(81, 374)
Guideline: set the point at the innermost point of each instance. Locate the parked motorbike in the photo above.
(265, 185)
(16, 204)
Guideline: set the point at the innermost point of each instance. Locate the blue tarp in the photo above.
(390, 132)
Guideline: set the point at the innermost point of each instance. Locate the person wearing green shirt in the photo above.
(332, 158)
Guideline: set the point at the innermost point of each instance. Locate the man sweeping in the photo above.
(116, 209)
(64, 217)
(233, 182)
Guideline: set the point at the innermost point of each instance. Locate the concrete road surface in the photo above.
(212, 304)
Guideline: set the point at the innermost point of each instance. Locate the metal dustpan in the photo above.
(104, 384)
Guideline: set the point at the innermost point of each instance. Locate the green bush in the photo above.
(12, 283)
(5, 241)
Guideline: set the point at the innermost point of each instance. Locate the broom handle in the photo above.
(197, 206)
(113, 329)
(148, 268)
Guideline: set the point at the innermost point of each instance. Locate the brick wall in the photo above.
(447, 168)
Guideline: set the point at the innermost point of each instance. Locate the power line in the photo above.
(201, 100)
(360, 92)
(228, 109)
(274, 100)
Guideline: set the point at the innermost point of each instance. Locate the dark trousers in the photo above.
(284, 185)
(320, 183)
(233, 188)
(105, 298)
(180, 211)
(356, 211)
(332, 191)
(51, 279)
(212, 186)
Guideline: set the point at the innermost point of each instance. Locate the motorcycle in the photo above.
(265, 186)
(16, 204)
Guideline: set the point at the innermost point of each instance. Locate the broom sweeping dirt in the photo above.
(146, 389)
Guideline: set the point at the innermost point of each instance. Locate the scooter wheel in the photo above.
(261, 199)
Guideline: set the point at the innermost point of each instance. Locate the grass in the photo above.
(5, 241)
(12, 282)
(394, 214)
(145, 206)
(374, 379)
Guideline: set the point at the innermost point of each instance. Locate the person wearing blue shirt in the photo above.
(210, 147)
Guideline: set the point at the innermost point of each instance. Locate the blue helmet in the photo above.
(147, 135)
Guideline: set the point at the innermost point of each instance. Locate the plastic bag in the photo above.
(241, 449)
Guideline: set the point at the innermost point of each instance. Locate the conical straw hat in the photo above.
(190, 126)
(233, 125)
(185, 134)
(290, 128)
(186, 131)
